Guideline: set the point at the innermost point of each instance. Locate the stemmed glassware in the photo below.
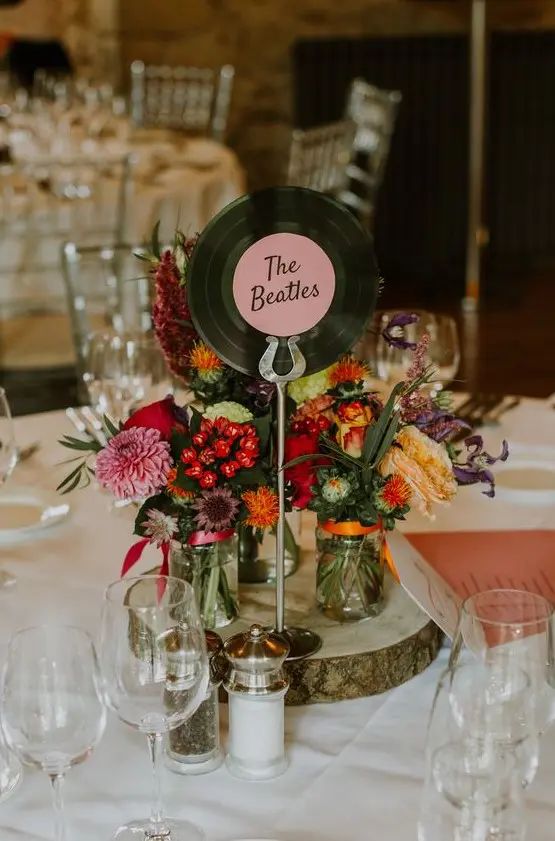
(124, 369)
(52, 712)
(8, 460)
(392, 363)
(155, 669)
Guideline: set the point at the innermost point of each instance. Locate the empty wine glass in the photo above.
(52, 713)
(470, 796)
(123, 370)
(511, 631)
(155, 668)
(8, 460)
(443, 353)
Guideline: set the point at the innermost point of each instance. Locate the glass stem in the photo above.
(158, 828)
(57, 783)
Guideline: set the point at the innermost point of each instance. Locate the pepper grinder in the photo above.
(194, 747)
(256, 686)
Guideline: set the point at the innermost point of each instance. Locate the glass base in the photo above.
(142, 831)
(199, 766)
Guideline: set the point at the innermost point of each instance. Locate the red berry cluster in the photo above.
(220, 447)
(312, 426)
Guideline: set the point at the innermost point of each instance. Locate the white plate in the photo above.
(26, 512)
(528, 481)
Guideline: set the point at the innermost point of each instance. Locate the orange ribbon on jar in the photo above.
(352, 528)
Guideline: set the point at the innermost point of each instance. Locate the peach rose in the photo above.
(352, 421)
(424, 464)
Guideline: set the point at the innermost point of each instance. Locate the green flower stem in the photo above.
(210, 596)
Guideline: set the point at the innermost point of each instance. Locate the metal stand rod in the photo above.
(476, 235)
(280, 534)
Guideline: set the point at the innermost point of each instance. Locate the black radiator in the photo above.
(421, 219)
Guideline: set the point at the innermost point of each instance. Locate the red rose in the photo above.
(302, 476)
(159, 415)
(208, 479)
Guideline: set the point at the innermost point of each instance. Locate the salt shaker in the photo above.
(194, 747)
(256, 686)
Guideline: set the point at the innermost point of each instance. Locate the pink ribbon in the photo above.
(135, 552)
(201, 538)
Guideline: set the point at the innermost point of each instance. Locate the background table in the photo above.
(356, 767)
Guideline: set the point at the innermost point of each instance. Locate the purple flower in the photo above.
(440, 425)
(216, 509)
(393, 332)
(476, 468)
(262, 391)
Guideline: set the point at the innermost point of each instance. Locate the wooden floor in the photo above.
(507, 347)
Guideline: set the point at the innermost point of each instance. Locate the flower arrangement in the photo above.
(362, 464)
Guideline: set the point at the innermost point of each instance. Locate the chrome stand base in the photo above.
(302, 642)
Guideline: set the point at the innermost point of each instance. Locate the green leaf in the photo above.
(71, 443)
(196, 420)
(159, 501)
(76, 472)
(387, 439)
(376, 431)
(73, 485)
(248, 477)
(155, 242)
(262, 426)
(109, 425)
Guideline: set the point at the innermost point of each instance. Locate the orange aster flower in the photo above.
(263, 508)
(348, 370)
(174, 489)
(204, 359)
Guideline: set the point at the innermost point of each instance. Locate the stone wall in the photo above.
(256, 36)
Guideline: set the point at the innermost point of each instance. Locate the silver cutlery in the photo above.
(87, 422)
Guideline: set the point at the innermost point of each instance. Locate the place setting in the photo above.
(276, 538)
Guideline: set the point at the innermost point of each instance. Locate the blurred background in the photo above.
(432, 120)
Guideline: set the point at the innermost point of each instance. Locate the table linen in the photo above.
(355, 767)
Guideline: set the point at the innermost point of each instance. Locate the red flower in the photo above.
(208, 479)
(220, 425)
(244, 459)
(222, 448)
(302, 476)
(170, 314)
(159, 415)
(188, 455)
(207, 456)
(249, 444)
(206, 426)
(234, 429)
(199, 439)
(229, 469)
(195, 470)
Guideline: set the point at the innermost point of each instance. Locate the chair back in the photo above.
(195, 99)
(374, 112)
(319, 157)
(106, 288)
(43, 203)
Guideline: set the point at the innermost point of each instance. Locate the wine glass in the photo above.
(123, 370)
(52, 712)
(155, 667)
(443, 353)
(511, 631)
(8, 460)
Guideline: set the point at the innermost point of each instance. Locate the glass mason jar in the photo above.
(211, 569)
(350, 572)
(257, 561)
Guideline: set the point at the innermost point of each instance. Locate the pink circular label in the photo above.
(284, 284)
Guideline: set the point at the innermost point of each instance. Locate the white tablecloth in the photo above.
(356, 767)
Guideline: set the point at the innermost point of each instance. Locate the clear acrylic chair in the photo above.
(374, 112)
(107, 287)
(319, 157)
(194, 99)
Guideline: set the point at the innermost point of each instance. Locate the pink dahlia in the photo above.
(134, 464)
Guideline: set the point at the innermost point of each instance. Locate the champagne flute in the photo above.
(52, 712)
(8, 460)
(155, 669)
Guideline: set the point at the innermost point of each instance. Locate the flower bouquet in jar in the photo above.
(362, 463)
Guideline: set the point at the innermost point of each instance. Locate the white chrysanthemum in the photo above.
(230, 410)
(307, 388)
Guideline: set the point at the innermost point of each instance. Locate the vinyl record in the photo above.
(281, 262)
